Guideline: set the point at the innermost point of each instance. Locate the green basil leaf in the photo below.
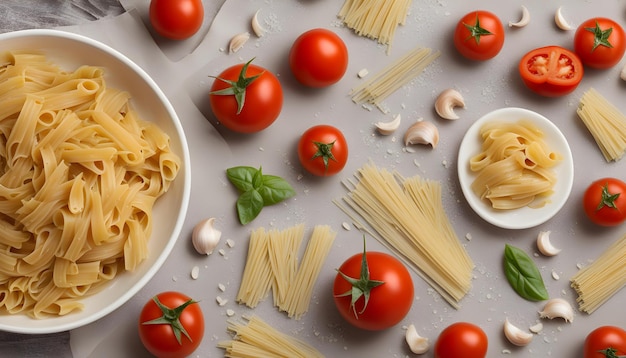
(257, 179)
(249, 205)
(523, 274)
(242, 177)
(275, 189)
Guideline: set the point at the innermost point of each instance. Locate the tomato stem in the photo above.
(476, 31)
(325, 151)
(610, 353)
(362, 286)
(600, 37)
(171, 317)
(607, 199)
(238, 88)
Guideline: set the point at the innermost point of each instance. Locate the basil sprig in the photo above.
(523, 274)
(257, 190)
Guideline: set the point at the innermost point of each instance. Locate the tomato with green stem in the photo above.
(171, 325)
(323, 150)
(318, 58)
(246, 98)
(479, 35)
(600, 42)
(461, 339)
(176, 19)
(605, 342)
(604, 201)
(551, 71)
(373, 290)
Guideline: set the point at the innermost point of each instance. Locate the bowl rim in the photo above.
(33, 328)
(522, 218)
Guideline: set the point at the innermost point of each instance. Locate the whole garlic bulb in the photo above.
(205, 236)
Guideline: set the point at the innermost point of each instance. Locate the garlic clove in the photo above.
(558, 308)
(205, 236)
(622, 73)
(524, 20)
(422, 132)
(447, 101)
(387, 128)
(417, 343)
(560, 21)
(258, 30)
(515, 335)
(545, 246)
(237, 42)
(536, 328)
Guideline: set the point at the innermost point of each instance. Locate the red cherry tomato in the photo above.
(604, 341)
(461, 339)
(605, 201)
(388, 303)
(551, 71)
(176, 19)
(318, 58)
(479, 35)
(261, 103)
(600, 42)
(158, 330)
(323, 150)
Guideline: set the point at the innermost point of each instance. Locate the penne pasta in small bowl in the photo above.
(515, 168)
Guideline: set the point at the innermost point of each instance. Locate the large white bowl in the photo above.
(525, 217)
(71, 50)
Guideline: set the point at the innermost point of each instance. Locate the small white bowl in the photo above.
(525, 217)
(70, 51)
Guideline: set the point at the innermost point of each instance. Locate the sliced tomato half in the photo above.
(551, 71)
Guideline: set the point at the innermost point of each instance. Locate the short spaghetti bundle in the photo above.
(602, 279)
(80, 172)
(515, 165)
(605, 122)
(256, 338)
(272, 263)
(374, 18)
(407, 215)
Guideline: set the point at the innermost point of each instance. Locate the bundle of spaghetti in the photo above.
(375, 19)
(257, 275)
(605, 122)
(259, 339)
(400, 72)
(80, 172)
(301, 287)
(598, 282)
(515, 166)
(272, 263)
(408, 217)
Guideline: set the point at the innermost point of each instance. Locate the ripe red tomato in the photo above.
(479, 35)
(171, 325)
(318, 58)
(600, 42)
(604, 341)
(246, 98)
(380, 307)
(461, 339)
(323, 150)
(551, 71)
(604, 203)
(176, 19)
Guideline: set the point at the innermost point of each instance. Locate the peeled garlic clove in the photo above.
(560, 21)
(422, 132)
(386, 128)
(524, 20)
(536, 328)
(417, 343)
(237, 42)
(447, 101)
(205, 236)
(622, 73)
(558, 308)
(544, 245)
(515, 335)
(258, 30)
